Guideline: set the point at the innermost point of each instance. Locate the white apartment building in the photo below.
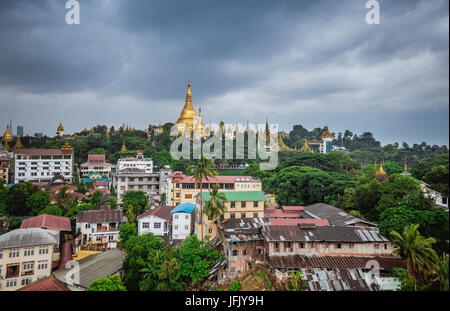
(41, 165)
(26, 256)
(156, 220)
(100, 227)
(183, 221)
(138, 162)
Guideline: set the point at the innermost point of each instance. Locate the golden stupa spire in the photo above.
(188, 113)
(18, 144)
(405, 167)
(60, 127)
(124, 148)
(6, 146)
(66, 146)
(7, 137)
(381, 170)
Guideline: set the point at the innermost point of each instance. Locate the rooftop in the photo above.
(39, 152)
(47, 221)
(219, 179)
(28, 237)
(159, 211)
(238, 196)
(336, 216)
(49, 284)
(102, 215)
(95, 266)
(184, 208)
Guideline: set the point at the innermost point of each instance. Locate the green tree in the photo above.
(202, 171)
(127, 230)
(235, 286)
(194, 258)
(295, 281)
(216, 204)
(418, 252)
(112, 202)
(96, 198)
(104, 284)
(135, 199)
(51, 210)
(37, 201)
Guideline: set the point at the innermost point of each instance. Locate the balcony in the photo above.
(27, 273)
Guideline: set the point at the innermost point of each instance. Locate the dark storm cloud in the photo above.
(298, 62)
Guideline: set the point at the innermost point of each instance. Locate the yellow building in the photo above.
(189, 120)
(239, 205)
(182, 188)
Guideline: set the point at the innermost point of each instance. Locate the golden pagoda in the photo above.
(327, 133)
(60, 130)
(18, 144)
(306, 147)
(405, 170)
(7, 137)
(6, 146)
(282, 145)
(124, 148)
(381, 170)
(107, 133)
(66, 146)
(188, 117)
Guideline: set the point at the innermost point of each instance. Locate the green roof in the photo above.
(238, 196)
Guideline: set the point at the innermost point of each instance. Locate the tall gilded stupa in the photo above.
(189, 118)
(7, 137)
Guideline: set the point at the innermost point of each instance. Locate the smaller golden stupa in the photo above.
(18, 144)
(124, 148)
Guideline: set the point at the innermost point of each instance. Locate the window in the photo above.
(186, 227)
(43, 250)
(232, 204)
(339, 245)
(42, 264)
(186, 217)
(302, 245)
(222, 217)
(28, 265)
(376, 246)
(243, 204)
(11, 283)
(288, 244)
(157, 225)
(176, 216)
(259, 251)
(28, 251)
(26, 281)
(255, 203)
(385, 246)
(244, 252)
(1, 254)
(145, 225)
(13, 252)
(242, 215)
(177, 195)
(232, 216)
(350, 245)
(210, 231)
(276, 245)
(235, 253)
(176, 227)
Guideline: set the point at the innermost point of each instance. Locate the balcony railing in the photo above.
(27, 273)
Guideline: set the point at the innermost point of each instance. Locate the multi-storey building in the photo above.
(182, 188)
(99, 227)
(139, 174)
(183, 221)
(5, 168)
(239, 205)
(95, 163)
(41, 165)
(156, 220)
(26, 255)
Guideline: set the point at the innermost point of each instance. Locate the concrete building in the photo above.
(41, 165)
(5, 168)
(183, 221)
(27, 255)
(156, 220)
(99, 227)
(182, 188)
(138, 162)
(95, 163)
(239, 205)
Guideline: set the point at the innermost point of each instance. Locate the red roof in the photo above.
(54, 196)
(293, 222)
(220, 179)
(99, 183)
(278, 213)
(59, 187)
(102, 215)
(47, 221)
(43, 152)
(159, 211)
(49, 284)
(292, 208)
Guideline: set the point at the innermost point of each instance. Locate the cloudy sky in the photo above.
(313, 63)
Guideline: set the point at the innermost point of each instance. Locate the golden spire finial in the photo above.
(124, 148)
(405, 167)
(18, 144)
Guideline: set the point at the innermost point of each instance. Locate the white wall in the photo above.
(181, 228)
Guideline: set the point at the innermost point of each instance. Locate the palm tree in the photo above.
(418, 252)
(215, 206)
(201, 171)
